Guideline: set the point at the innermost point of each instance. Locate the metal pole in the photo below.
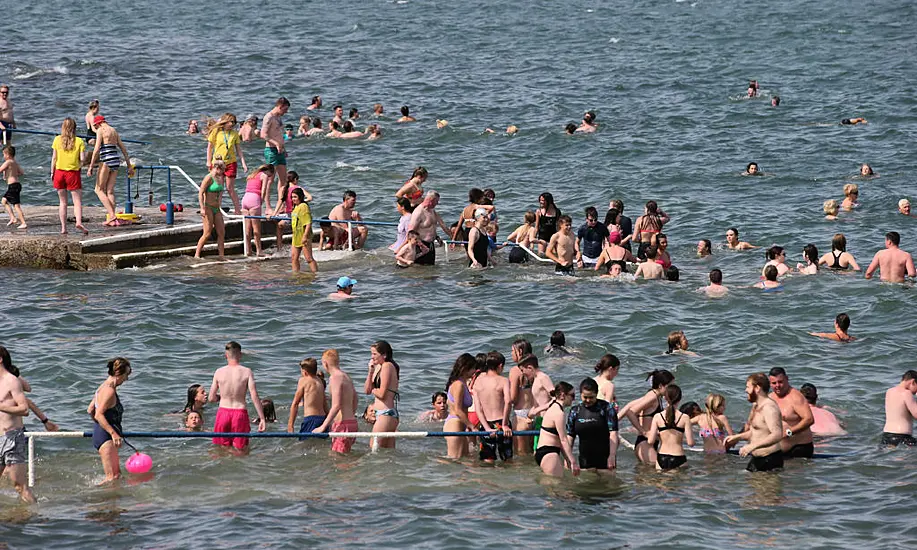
(31, 462)
(128, 204)
(170, 207)
(350, 236)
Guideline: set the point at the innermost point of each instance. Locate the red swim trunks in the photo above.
(232, 169)
(232, 420)
(68, 179)
(343, 444)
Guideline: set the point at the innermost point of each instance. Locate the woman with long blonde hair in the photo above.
(210, 195)
(67, 159)
(223, 141)
(713, 424)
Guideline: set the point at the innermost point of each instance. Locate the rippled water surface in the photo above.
(666, 80)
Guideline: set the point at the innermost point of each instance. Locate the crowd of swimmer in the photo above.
(477, 397)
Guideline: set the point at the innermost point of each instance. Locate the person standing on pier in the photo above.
(67, 159)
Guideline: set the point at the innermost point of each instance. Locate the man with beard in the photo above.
(764, 428)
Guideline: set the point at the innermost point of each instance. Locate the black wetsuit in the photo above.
(593, 425)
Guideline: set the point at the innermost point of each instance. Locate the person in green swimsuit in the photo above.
(209, 197)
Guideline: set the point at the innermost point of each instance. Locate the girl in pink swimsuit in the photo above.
(256, 193)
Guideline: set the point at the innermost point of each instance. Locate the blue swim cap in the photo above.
(345, 282)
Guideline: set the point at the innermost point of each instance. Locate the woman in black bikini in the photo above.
(546, 219)
(677, 428)
(553, 446)
(614, 254)
(640, 412)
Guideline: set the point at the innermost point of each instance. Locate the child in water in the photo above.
(410, 250)
(194, 422)
(301, 220)
(11, 170)
(713, 424)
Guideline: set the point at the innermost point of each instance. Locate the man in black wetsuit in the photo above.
(595, 421)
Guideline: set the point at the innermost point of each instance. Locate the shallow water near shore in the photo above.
(664, 79)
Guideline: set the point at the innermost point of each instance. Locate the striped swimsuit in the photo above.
(108, 154)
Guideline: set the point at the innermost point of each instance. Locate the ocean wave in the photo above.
(355, 168)
(25, 72)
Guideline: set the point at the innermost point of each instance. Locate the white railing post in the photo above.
(31, 461)
(350, 236)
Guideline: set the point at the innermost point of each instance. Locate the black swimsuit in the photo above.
(479, 250)
(545, 450)
(837, 261)
(547, 226)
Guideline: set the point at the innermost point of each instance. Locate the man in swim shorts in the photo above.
(893, 263)
(492, 404)
(424, 220)
(274, 152)
(13, 407)
(765, 428)
(342, 415)
(310, 391)
(562, 247)
(230, 384)
(796, 415)
(900, 412)
(7, 120)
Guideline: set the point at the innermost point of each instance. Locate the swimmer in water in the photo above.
(570, 129)
(558, 345)
(442, 123)
(810, 253)
(831, 208)
(589, 124)
(641, 411)
(672, 275)
(825, 422)
(650, 269)
(900, 412)
(605, 372)
(839, 258)
(752, 170)
(678, 343)
(349, 132)
(866, 171)
(193, 128)
(353, 114)
(893, 263)
(715, 288)
(904, 207)
(713, 425)
(406, 115)
(775, 101)
(677, 428)
(851, 194)
(194, 422)
(316, 129)
(853, 121)
(733, 242)
(776, 257)
(378, 110)
(704, 248)
(316, 103)
(373, 132)
(345, 289)
(769, 284)
(840, 334)
(753, 88)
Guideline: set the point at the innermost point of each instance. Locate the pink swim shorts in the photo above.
(232, 420)
(343, 444)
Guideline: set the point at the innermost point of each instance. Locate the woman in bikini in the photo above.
(839, 259)
(209, 197)
(640, 412)
(672, 428)
(382, 383)
(413, 188)
(605, 371)
(776, 256)
(458, 398)
(647, 226)
(108, 142)
(713, 424)
(466, 220)
(613, 254)
(662, 251)
(553, 445)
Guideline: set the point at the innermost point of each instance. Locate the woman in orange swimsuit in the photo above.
(412, 189)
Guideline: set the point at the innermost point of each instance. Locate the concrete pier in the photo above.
(42, 245)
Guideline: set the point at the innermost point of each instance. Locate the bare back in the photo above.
(900, 411)
(313, 396)
(490, 391)
(231, 382)
(344, 396)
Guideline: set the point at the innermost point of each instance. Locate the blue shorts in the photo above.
(274, 157)
(309, 423)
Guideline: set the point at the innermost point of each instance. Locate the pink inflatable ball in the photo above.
(138, 463)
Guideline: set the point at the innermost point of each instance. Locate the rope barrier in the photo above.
(41, 133)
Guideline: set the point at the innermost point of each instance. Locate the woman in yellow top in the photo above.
(224, 142)
(302, 230)
(67, 158)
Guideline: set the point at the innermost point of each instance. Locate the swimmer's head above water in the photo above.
(752, 169)
(570, 128)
